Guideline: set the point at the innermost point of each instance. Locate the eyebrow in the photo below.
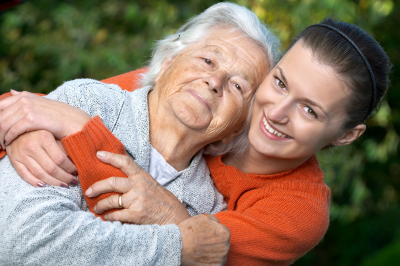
(217, 51)
(315, 104)
(283, 76)
(303, 99)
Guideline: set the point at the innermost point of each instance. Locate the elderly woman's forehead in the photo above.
(227, 35)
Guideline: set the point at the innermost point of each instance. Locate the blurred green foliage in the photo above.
(46, 42)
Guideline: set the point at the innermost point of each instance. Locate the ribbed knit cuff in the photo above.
(94, 136)
(171, 247)
(82, 148)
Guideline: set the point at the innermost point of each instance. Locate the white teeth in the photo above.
(272, 131)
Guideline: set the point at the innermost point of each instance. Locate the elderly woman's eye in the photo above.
(208, 61)
(237, 86)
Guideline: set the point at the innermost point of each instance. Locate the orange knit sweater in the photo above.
(273, 219)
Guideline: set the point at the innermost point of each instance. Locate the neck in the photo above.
(171, 139)
(257, 163)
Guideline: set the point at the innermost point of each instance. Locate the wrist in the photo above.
(77, 124)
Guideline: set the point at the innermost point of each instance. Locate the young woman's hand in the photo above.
(144, 200)
(40, 159)
(24, 112)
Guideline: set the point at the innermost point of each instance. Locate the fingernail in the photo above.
(88, 191)
(75, 173)
(64, 186)
(74, 182)
(101, 154)
(105, 217)
(14, 91)
(41, 184)
(95, 209)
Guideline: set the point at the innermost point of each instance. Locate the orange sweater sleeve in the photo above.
(82, 148)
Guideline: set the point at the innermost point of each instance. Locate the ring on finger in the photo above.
(120, 201)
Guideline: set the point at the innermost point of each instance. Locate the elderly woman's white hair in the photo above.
(226, 15)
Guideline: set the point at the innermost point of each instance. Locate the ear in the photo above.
(167, 62)
(351, 135)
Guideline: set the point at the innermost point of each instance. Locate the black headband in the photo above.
(371, 74)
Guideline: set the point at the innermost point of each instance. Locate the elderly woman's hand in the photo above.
(24, 112)
(39, 158)
(204, 241)
(144, 200)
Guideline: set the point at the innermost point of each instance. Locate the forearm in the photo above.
(129, 81)
(49, 226)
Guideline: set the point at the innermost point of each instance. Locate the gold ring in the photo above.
(120, 201)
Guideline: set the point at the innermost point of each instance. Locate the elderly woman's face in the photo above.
(209, 86)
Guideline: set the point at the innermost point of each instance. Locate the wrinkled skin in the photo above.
(204, 240)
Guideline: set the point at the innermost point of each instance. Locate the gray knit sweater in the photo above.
(52, 226)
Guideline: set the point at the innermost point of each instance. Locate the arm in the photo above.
(50, 225)
(276, 229)
(145, 201)
(38, 159)
(35, 155)
(59, 223)
(274, 224)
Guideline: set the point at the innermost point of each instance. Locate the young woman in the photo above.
(328, 83)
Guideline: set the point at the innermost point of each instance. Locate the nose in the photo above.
(215, 82)
(279, 112)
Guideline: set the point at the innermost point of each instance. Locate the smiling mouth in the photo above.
(200, 99)
(273, 131)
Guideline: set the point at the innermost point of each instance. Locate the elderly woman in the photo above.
(204, 79)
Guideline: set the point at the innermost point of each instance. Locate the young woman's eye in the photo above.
(280, 83)
(237, 86)
(208, 61)
(310, 111)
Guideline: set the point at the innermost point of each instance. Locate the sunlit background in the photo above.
(44, 43)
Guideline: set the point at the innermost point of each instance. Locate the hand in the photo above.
(24, 112)
(38, 158)
(204, 241)
(144, 200)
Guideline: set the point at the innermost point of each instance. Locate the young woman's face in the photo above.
(299, 107)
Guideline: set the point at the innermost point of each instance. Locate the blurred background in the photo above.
(46, 42)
